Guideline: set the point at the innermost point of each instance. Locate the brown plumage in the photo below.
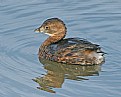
(70, 50)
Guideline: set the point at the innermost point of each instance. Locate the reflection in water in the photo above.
(57, 72)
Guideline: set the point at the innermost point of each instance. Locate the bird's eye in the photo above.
(46, 27)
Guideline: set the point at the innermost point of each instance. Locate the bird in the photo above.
(73, 51)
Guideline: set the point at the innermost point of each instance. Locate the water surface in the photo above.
(95, 20)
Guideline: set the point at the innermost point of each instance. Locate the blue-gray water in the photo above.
(96, 20)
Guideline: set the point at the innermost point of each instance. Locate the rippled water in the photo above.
(21, 73)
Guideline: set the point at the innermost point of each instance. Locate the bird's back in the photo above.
(74, 51)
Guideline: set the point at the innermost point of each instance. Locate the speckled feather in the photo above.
(71, 51)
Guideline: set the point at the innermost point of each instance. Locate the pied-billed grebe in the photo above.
(70, 50)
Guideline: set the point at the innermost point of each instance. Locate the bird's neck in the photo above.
(53, 39)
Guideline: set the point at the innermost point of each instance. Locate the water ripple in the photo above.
(98, 21)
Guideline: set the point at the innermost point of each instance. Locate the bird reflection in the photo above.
(57, 73)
